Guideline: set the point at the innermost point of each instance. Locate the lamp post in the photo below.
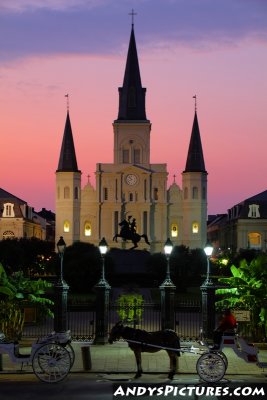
(167, 289)
(208, 298)
(102, 299)
(61, 293)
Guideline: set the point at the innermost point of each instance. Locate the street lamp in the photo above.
(103, 247)
(168, 246)
(167, 289)
(61, 293)
(61, 246)
(102, 299)
(208, 249)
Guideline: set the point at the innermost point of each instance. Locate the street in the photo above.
(91, 386)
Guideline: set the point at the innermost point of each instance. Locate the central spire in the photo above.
(131, 94)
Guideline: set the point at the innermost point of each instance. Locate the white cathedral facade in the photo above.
(132, 186)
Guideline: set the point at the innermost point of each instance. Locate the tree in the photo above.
(247, 289)
(82, 266)
(17, 291)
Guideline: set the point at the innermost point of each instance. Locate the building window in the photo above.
(174, 230)
(125, 156)
(105, 193)
(8, 210)
(137, 156)
(254, 240)
(185, 193)
(66, 226)
(145, 222)
(58, 192)
(254, 211)
(131, 197)
(195, 193)
(195, 227)
(66, 192)
(156, 194)
(8, 235)
(203, 193)
(87, 229)
(76, 193)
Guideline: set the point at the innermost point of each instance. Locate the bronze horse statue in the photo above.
(142, 341)
(129, 234)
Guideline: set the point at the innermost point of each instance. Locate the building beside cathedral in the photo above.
(132, 186)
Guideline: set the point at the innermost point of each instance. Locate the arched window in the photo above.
(76, 193)
(185, 193)
(194, 192)
(87, 229)
(66, 192)
(125, 156)
(156, 194)
(66, 226)
(8, 235)
(131, 198)
(8, 210)
(174, 230)
(195, 227)
(254, 240)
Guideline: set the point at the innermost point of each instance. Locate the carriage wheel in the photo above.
(71, 352)
(211, 367)
(221, 354)
(51, 362)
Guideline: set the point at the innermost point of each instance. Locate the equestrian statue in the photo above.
(128, 232)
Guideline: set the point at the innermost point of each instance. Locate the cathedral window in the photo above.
(195, 227)
(66, 192)
(131, 197)
(254, 240)
(8, 210)
(87, 229)
(125, 156)
(66, 226)
(174, 230)
(195, 193)
(105, 193)
(186, 193)
(137, 156)
(203, 193)
(254, 211)
(156, 194)
(76, 193)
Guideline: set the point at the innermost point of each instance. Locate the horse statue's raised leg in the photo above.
(115, 238)
(138, 360)
(146, 238)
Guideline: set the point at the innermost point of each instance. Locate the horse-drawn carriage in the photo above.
(211, 365)
(51, 357)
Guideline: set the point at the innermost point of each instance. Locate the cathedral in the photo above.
(132, 189)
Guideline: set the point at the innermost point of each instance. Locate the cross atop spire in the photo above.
(195, 97)
(132, 13)
(68, 102)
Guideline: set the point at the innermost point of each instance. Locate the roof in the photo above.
(4, 195)
(131, 94)
(67, 159)
(195, 159)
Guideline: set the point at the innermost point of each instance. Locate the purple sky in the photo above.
(215, 49)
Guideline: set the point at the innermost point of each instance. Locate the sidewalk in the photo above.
(118, 358)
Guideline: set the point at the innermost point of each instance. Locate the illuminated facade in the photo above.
(132, 185)
(243, 227)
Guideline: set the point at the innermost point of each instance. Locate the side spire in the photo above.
(132, 94)
(67, 159)
(195, 159)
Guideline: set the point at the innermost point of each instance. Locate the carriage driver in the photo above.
(227, 324)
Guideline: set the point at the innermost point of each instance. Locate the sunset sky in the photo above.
(215, 49)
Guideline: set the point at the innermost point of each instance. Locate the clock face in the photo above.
(131, 179)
